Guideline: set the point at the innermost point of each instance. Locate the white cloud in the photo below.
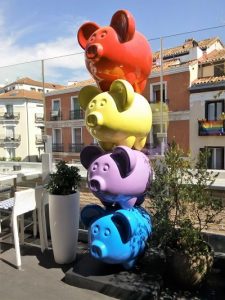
(12, 52)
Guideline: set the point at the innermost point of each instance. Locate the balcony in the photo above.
(5, 116)
(76, 148)
(39, 140)
(57, 147)
(76, 114)
(39, 118)
(10, 140)
(55, 115)
(211, 128)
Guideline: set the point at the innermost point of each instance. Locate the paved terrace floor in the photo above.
(40, 278)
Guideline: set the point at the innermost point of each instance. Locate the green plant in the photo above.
(65, 180)
(16, 158)
(3, 158)
(181, 202)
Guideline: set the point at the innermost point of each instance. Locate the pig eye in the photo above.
(107, 232)
(95, 166)
(106, 167)
(103, 102)
(92, 37)
(95, 229)
(103, 34)
(92, 104)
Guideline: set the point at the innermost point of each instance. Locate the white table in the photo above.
(8, 177)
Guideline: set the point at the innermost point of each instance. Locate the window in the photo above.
(75, 103)
(10, 133)
(219, 69)
(77, 136)
(56, 105)
(9, 109)
(11, 152)
(32, 89)
(216, 158)
(57, 136)
(213, 110)
(155, 92)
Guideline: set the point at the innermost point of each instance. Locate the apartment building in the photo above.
(65, 122)
(187, 72)
(207, 108)
(182, 68)
(22, 119)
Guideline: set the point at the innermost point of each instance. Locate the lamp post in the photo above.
(162, 135)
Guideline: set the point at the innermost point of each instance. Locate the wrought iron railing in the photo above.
(10, 139)
(39, 118)
(76, 114)
(9, 116)
(55, 115)
(39, 140)
(76, 147)
(57, 147)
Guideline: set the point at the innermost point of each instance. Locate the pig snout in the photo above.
(97, 184)
(94, 119)
(98, 249)
(94, 51)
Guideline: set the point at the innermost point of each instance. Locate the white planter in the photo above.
(64, 212)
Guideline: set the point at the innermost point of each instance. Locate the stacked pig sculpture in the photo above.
(119, 118)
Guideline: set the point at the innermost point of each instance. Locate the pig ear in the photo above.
(89, 154)
(124, 25)
(86, 94)
(125, 224)
(123, 93)
(85, 31)
(125, 159)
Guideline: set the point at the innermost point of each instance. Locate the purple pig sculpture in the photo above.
(119, 178)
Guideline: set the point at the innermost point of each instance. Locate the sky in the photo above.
(31, 31)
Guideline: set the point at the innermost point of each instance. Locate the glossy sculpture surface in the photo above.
(117, 51)
(119, 178)
(120, 119)
(116, 117)
(117, 236)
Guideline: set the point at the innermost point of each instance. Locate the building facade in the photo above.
(22, 119)
(192, 80)
(65, 122)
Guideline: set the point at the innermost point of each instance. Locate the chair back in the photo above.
(24, 201)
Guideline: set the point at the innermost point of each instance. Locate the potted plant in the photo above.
(64, 211)
(182, 206)
(17, 165)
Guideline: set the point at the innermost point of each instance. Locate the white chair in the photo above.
(23, 202)
(41, 197)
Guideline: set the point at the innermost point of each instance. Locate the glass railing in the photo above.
(34, 94)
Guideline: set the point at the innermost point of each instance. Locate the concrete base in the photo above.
(111, 280)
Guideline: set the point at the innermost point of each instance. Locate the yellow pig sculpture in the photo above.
(116, 117)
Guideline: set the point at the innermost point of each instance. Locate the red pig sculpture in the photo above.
(117, 51)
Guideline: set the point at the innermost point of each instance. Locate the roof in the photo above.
(18, 94)
(79, 84)
(208, 80)
(212, 57)
(185, 47)
(29, 81)
(173, 63)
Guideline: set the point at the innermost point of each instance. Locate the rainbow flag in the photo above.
(212, 127)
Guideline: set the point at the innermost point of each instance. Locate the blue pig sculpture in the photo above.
(117, 237)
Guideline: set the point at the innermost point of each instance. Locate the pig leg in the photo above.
(129, 142)
(129, 264)
(106, 146)
(140, 143)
